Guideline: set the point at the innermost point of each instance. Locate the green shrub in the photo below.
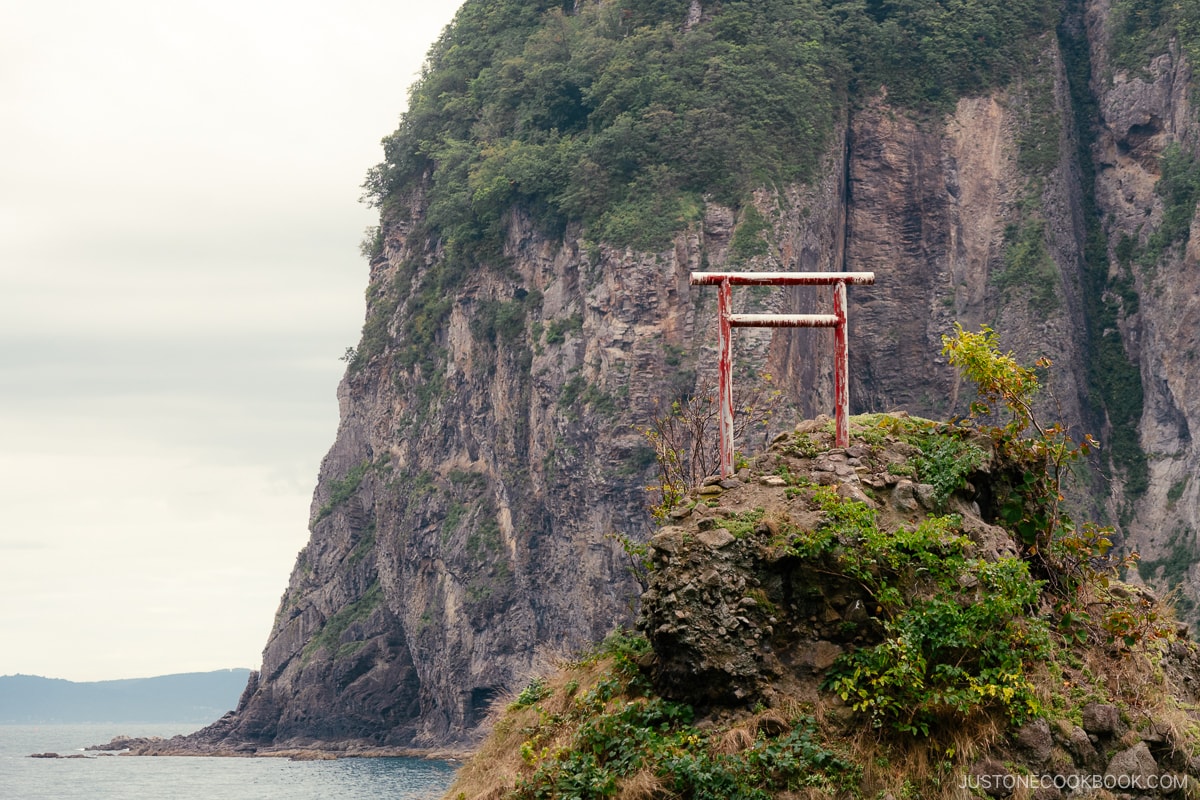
(1034, 458)
(951, 654)
(342, 489)
(557, 330)
(957, 639)
(537, 690)
(497, 321)
(945, 462)
(609, 741)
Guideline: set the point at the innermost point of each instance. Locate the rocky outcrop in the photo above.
(735, 614)
(801, 602)
(740, 616)
(489, 441)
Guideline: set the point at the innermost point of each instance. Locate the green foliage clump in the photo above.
(1028, 265)
(576, 116)
(1143, 29)
(934, 52)
(371, 246)
(1077, 561)
(1179, 187)
(365, 545)
(802, 445)
(342, 489)
(578, 393)
(946, 459)
(490, 578)
(957, 637)
(331, 633)
(1039, 462)
(537, 690)
(1173, 567)
(743, 523)
(951, 655)
(375, 336)
(485, 542)
(945, 462)
(748, 240)
(1040, 125)
(1176, 491)
(557, 330)
(639, 558)
(454, 515)
(499, 321)
(618, 727)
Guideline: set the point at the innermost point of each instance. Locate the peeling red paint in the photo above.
(727, 320)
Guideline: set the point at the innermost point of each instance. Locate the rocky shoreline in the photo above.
(183, 746)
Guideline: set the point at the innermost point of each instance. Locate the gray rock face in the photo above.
(1136, 766)
(1101, 718)
(1035, 740)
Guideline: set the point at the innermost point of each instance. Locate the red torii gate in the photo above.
(726, 320)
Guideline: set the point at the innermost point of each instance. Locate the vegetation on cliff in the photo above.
(623, 116)
(896, 618)
(1145, 29)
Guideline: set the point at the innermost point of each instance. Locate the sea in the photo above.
(190, 778)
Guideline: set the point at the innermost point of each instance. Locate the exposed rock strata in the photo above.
(1141, 115)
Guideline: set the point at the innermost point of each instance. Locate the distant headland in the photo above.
(189, 697)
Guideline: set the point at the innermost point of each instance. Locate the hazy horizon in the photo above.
(131, 678)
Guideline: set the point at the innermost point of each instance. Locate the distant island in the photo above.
(189, 697)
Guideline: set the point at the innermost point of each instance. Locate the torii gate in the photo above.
(726, 320)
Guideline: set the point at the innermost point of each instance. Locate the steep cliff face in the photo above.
(489, 438)
(1143, 115)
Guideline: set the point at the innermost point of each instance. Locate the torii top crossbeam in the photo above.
(726, 320)
(781, 278)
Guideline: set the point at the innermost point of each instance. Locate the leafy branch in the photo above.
(1077, 561)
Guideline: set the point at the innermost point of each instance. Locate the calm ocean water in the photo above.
(118, 778)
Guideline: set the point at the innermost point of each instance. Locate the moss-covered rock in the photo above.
(829, 626)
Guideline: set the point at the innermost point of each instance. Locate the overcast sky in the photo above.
(179, 275)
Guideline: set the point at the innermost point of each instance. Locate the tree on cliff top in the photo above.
(624, 118)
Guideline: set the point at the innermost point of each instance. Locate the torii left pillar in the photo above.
(727, 321)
